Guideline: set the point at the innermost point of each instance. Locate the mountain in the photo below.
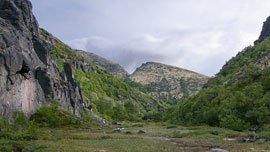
(265, 31)
(238, 96)
(114, 68)
(110, 97)
(38, 70)
(169, 83)
(28, 74)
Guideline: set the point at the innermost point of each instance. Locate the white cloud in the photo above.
(194, 34)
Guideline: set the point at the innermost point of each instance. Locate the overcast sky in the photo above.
(199, 35)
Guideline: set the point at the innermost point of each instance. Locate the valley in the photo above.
(54, 98)
(154, 137)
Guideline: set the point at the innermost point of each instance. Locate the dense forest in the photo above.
(238, 97)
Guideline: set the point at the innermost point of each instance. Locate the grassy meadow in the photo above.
(157, 138)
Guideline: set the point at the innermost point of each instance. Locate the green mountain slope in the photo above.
(172, 84)
(238, 97)
(114, 68)
(110, 97)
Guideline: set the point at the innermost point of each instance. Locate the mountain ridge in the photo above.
(112, 67)
(168, 82)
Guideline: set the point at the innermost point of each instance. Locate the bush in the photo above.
(33, 147)
(234, 123)
(20, 121)
(52, 118)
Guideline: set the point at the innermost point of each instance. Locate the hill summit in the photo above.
(168, 82)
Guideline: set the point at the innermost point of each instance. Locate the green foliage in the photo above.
(111, 98)
(18, 133)
(33, 147)
(236, 98)
(20, 121)
(63, 53)
(52, 118)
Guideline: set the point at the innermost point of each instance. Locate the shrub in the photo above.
(53, 118)
(234, 123)
(20, 121)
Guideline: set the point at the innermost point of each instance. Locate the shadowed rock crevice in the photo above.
(24, 70)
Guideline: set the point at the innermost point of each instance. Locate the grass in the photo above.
(158, 138)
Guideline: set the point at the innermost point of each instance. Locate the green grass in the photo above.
(186, 139)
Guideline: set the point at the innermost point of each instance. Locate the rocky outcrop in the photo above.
(114, 68)
(28, 73)
(168, 82)
(265, 33)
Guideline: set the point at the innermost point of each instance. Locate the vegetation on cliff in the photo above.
(110, 97)
(238, 97)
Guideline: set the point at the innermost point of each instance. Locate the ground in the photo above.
(157, 138)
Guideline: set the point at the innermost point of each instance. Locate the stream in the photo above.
(216, 149)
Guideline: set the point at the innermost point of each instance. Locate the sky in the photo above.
(199, 35)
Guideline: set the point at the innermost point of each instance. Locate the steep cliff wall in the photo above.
(28, 73)
(265, 31)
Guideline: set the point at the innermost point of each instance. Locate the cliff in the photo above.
(29, 76)
(265, 31)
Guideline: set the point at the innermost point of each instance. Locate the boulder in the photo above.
(141, 132)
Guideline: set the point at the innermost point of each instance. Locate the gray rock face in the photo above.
(265, 31)
(28, 74)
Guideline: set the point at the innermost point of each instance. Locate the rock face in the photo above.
(265, 31)
(168, 82)
(28, 74)
(114, 68)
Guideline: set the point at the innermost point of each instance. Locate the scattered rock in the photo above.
(254, 129)
(53, 131)
(141, 132)
(171, 127)
(119, 129)
(114, 123)
(219, 150)
(247, 140)
(230, 139)
(128, 132)
(117, 124)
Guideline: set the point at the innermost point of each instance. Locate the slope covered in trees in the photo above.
(238, 97)
(110, 97)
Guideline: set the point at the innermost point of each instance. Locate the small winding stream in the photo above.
(171, 140)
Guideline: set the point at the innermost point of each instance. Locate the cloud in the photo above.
(196, 50)
(196, 35)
